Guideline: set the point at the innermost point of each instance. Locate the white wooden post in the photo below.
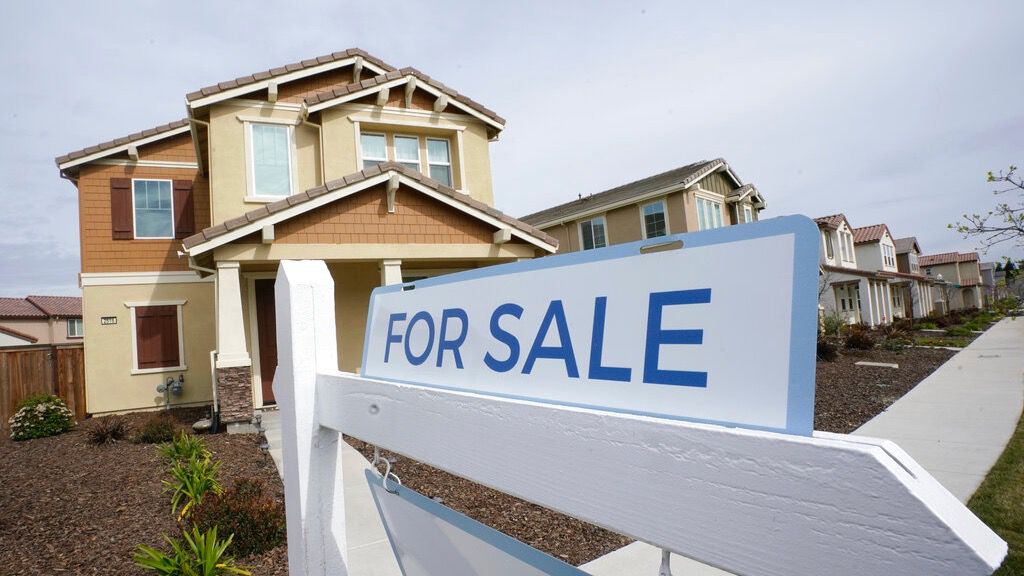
(314, 494)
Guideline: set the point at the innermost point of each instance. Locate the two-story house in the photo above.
(382, 173)
(916, 286)
(958, 279)
(856, 294)
(699, 196)
(40, 320)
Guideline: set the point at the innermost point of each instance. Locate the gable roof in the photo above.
(254, 221)
(401, 77)
(19, 308)
(832, 221)
(121, 144)
(19, 335)
(288, 72)
(907, 244)
(58, 306)
(946, 258)
(872, 233)
(675, 179)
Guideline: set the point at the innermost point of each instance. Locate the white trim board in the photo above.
(124, 147)
(130, 278)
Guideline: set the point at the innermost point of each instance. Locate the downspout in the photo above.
(215, 415)
(304, 121)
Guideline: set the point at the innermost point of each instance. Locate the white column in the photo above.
(887, 295)
(867, 313)
(231, 351)
(390, 272)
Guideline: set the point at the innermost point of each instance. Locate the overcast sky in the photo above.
(887, 112)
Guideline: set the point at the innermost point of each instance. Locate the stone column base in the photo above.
(234, 393)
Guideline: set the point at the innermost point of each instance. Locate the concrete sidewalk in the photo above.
(955, 424)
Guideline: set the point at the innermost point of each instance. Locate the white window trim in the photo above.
(394, 148)
(710, 197)
(604, 223)
(748, 214)
(71, 321)
(250, 164)
(451, 170)
(643, 219)
(135, 227)
(359, 142)
(182, 365)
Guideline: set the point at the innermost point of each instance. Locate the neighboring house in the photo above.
(698, 196)
(958, 279)
(916, 287)
(857, 294)
(40, 320)
(383, 173)
(988, 282)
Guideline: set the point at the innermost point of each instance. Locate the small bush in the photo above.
(895, 331)
(894, 344)
(108, 430)
(958, 331)
(944, 342)
(255, 520)
(157, 429)
(827, 350)
(184, 447)
(859, 338)
(927, 325)
(831, 324)
(40, 416)
(190, 482)
(197, 554)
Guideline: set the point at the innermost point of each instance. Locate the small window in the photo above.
(654, 219)
(407, 152)
(157, 337)
(440, 160)
(748, 213)
(830, 250)
(374, 149)
(271, 160)
(592, 233)
(154, 214)
(74, 328)
(709, 214)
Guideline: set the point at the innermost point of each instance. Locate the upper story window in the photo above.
(153, 209)
(654, 219)
(270, 160)
(830, 250)
(709, 213)
(374, 149)
(748, 213)
(889, 255)
(592, 233)
(440, 160)
(407, 152)
(912, 259)
(846, 246)
(75, 328)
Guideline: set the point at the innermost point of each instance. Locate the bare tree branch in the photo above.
(1005, 222)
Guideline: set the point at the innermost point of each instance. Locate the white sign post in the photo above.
(747, 488)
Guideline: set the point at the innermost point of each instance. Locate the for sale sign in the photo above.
(717, 326)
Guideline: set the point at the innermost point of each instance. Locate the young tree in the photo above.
(1011, 270)
(1004, 222)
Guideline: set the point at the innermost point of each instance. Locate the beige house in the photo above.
(698, 196)
(40, 320)
(855, 292)
(958, 283)
(383, 173)
(916, 287)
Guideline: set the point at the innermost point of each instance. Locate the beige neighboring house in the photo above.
(383, 173)
(916, 287)
(958, 279)
(699, 196)
(857, 294)
(40, 320)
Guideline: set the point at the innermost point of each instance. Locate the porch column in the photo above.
(234, 366)
(867, 312)
(887, 296)
(390, 272)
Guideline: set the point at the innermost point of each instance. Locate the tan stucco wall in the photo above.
(110, 385)
(352, 286)
(41, 329)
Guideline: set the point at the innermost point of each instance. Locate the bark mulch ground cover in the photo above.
(73, 508)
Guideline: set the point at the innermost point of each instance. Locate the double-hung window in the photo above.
(748, 213)
(75, 328)
(709, 213)
(592, 233)
(654, 219)
(830, 250)
(407, 152)
(439, 159)
(270, 160)
(153, 208)
(374, 149)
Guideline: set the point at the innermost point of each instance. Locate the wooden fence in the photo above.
(58, 370)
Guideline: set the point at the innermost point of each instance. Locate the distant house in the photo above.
(40, 320)
(857, 294)
(958, 278)
(699, 196)
(988, 282)
(916, 286)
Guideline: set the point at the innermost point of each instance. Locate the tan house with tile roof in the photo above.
(384, 173)
(958, 277)
(699, 196)
(40, 320)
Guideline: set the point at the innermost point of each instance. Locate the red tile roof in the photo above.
(871, 233)
(12, 332)
(967, 257)
(19, 308)
(832, 221)
(58, 306)
(934, 259)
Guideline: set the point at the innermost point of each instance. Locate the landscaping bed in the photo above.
(74, 508)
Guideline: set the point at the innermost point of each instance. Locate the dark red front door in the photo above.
(266, 329)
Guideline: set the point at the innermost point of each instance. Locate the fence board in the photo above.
(58, 370)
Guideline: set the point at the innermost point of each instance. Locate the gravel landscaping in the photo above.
(74, 508)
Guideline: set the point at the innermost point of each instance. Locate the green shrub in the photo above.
(190, 482)
(950, 342)
(859, 338)
(831, 324)
(198, 554)
(108, 430)
(894, 344)
(184, 447)
(40, 416)
(157, 429)
(958, 331)
(248, 513)
(927, 325)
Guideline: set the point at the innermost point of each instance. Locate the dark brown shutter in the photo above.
(156, 336)
(184, 209)
(121, 208)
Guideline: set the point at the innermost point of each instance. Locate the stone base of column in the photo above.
(234, 393)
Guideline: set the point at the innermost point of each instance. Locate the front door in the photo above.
(266, 330)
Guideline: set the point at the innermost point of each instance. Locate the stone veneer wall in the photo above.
(234, 392)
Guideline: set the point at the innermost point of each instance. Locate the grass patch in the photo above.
(999, 501)
(951, 342)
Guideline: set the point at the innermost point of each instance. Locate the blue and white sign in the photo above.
(719, 330)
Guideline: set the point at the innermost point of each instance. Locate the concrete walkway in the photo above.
(955, 423)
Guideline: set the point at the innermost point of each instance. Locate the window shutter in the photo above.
(121, 208)
(184, 209)
(156, 333)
